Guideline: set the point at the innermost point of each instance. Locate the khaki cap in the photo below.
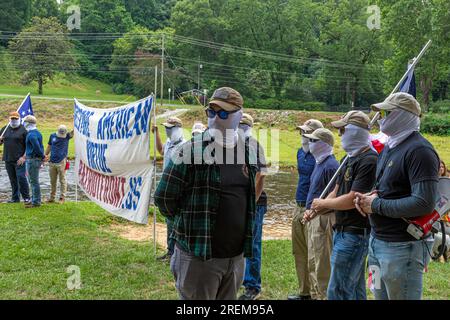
(247, 119)
(227, 98)
(310, 125)
(399, 100)
(173, 122)
(322, 134)
(198, 127)
(14, 115)
(357, 118)
(30, 119)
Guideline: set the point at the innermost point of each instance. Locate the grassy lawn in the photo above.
(37, 246)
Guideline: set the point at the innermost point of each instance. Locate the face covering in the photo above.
(305, 144)
(225, 129)
(174, 134)
(354, 140)
(246, 129)
(398, 126)
(320, 150)
(15, 123)
(29, 126)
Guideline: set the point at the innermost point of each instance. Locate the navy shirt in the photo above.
(321, 175)
(59, 147)
(34, 146)
(305, 167)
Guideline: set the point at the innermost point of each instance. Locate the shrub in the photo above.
(440, 106)
(435, 123)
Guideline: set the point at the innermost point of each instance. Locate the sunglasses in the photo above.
(223, 114)
(313, 140)
(341, 131)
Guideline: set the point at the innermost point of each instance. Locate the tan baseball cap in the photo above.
(227, 98)
(173, 122)
(357, 118)
(322, 134)
(247, 119)
(30, 119)
(198, 127)
(14, 115)
(399, 100)
(310, 125)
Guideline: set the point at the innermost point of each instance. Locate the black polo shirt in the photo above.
(358, 176)
(412, 161)
(14, 143)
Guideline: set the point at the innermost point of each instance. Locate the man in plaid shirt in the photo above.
(212, 202)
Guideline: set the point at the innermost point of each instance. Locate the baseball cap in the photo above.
(62, 131)
(30, 119)
(357, 118)
(399, 100)
(198, 127)
(14, 115)
(247, 119)
(173, 122)
(322, 134)
(310, 125)
(227, 98)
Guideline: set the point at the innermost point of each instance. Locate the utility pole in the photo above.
(162, 70)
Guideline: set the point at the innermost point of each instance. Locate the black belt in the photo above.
(351, 229)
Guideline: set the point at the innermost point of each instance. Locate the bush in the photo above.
(272, 103)
(435, 123)
(440, 106)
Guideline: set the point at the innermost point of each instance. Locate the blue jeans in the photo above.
(252, 278)
(348, 259)
(33, 167)
(397, 268)
(18, 179)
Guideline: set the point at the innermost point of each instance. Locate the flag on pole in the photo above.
(409, 86)
(26, 108)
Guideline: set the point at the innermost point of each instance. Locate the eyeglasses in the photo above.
(313, 140)
(341, 131)
(223, 114)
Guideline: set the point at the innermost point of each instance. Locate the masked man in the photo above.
(14, 138)
(351, 230)
(35, 156)
(301, 240)
(406, 186)
(211, 195)
(174, 133)
(252, 278)
(321, 143)
(198, 128)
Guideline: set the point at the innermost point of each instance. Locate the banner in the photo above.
(112, 148)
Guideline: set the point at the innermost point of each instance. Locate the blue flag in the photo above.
(409, 85)
(25, 108)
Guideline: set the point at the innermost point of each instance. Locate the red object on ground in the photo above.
(67, 165)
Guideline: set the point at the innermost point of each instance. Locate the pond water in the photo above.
(280, 188)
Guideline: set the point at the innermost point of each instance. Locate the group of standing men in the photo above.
(24, 154)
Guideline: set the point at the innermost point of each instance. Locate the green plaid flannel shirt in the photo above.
(189, 194)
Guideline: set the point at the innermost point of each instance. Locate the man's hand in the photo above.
(318, 205)
(309, 215)
(363, 202)
(154, 128)
(21, 161)
(46, 158)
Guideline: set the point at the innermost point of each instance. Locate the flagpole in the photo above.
(9, 123)
(375, 118)
(154, 161)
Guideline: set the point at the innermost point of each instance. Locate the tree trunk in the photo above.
(426, 83)
(40, 84)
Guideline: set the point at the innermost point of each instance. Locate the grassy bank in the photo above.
(38, 245)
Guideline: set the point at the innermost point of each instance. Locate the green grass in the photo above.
(38, 245)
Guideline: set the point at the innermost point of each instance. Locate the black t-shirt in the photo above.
(412, 161)
(14, 143)
(230, 226)
(358, 176)
(262, 166)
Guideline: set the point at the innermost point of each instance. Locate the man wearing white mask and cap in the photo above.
(198, 128)
(351, 229)
(174, 133)
(58, 148)
(213, 205)
(321, 146)
(406, 186)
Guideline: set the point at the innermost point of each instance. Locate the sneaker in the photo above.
(298, 297)
(13, 201)
(61, 200)
(250, 294)
(31, 205)
(50, 200)
(165, 257)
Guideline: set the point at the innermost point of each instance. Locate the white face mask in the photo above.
(29, 126)
(398, 126)
(354, 140)
(320, 150)
(15, 123)
(305, 144)
(246, 129)
(174, 134)
(225, 130)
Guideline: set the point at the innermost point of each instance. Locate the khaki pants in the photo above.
(58, 170)
(301, 246)
(321, 238)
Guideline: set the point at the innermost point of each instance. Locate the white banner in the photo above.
(112, 148)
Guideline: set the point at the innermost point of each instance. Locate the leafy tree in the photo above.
(41, 57)
(151, 14)
(14, 14)
(44, 8)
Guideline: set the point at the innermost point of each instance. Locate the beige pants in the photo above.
(58, 170)
(321, 238)
(301, 245)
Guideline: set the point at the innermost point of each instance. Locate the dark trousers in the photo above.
(18, 180)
